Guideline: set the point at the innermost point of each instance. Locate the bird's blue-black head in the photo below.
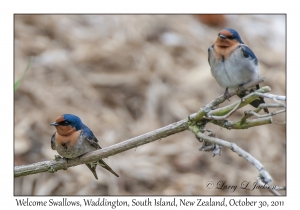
(68, 120)
(230, 33)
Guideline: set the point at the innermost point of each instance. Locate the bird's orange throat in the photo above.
(65, 130)
(223, 43)
(67, 140)
(224, 50)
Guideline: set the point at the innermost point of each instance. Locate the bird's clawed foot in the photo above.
(57, 157)
(241, 87)
(226, 94)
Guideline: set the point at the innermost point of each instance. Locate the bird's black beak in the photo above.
(54, 124)
(222, 36)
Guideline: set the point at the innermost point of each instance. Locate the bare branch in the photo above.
(59, 164)
(267, 95)
(270, 188)
(264, 174)
(243, 124)
(271, 106)
(54, 165)
(226, 115)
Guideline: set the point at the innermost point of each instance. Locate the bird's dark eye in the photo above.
(230, 37)
(64, 123)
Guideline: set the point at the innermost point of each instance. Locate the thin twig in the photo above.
(211, 117)
(271, 105)
(268, 95)
(264, 174)
(266, 115)
(243, 124)
(270, 188)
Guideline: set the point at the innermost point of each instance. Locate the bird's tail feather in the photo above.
(92, 167)
(104, 165)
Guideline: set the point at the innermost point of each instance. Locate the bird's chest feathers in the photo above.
(223, 53)
(67, 137)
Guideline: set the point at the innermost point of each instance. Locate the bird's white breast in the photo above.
(233, 71)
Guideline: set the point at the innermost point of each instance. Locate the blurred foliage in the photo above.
(17, 83)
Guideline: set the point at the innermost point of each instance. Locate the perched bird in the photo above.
(73, 139)
(233, 63)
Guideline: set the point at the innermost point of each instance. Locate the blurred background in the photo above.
(126, 75)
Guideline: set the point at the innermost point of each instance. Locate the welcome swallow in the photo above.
(73, 139)
(233, 63)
